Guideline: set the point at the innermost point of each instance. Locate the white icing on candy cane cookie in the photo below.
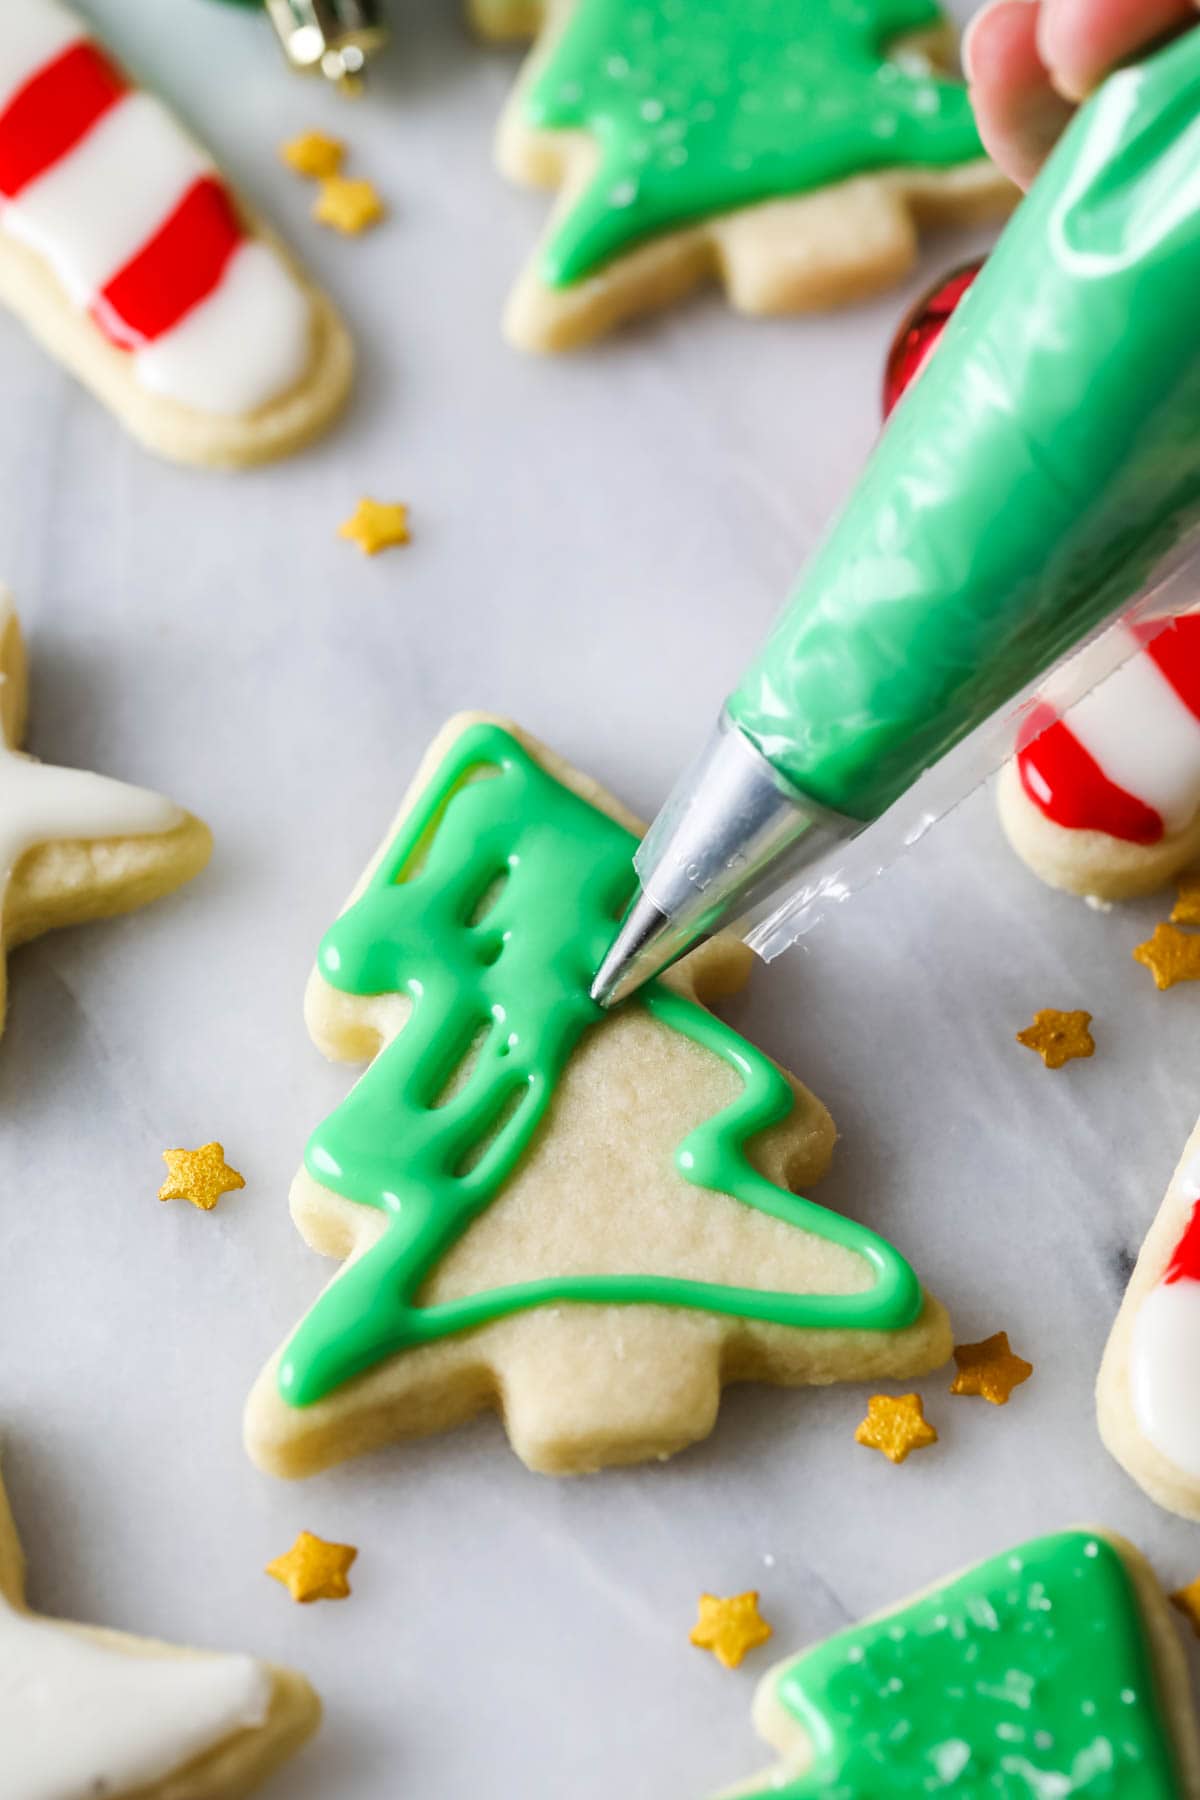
(1105, 799)
(1149, 1387)
(140, 239)
(85, 1712)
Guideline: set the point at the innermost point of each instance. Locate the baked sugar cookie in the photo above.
(582, 1220)
(1105, 800)
(1148, 1393)
(1051, 1670)
(86, 1712)
(128, 257)
(76, 846)
(789, 149)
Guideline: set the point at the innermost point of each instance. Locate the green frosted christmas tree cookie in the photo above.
(787, 148)
(1051, 1672)
(586, 1221)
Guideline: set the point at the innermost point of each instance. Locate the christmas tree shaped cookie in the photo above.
(788, 148)
(1052, 1670)
(76, 846)
(583, 1221)
(86, 1712)
(1148, 1392)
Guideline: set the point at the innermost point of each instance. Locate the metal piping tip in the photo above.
(635, 954)
(334, 38)
(733, 830)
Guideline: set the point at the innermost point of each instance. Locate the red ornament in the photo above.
(915, 341)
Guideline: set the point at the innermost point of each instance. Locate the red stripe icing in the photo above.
(173, 271)
(1185, 1264)
(1176, 652)
(55, 109)
(1065, 782)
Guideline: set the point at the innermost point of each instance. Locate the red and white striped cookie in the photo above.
(1148, 1393)
(1106, 799)
(125, 252)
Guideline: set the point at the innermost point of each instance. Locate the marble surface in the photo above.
(597, 544)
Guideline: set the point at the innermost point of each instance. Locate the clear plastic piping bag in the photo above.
(1174, 591)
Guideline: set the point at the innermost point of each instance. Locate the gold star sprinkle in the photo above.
(1187, 1599)
(200, 1176)
(1171, 955)
(1058, 1036)
(314, 154)
(314, 1569)
(376, 525)
(729, 1627)
(347, 206)
(896, 1426)
(1187, 906)
(989, 1369)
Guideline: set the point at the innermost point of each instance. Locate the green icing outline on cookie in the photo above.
(702, 107)
(490, 910)
(1029, 1677)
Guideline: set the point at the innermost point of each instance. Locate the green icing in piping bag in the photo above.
(1026, 486)
(490, 911)
(701, 108)
(1027, 1678)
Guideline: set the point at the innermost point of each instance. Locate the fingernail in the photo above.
(964, 48)
(972, 25)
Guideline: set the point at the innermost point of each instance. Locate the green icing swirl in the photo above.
(698, 107)
(1028, 1678)
(491, 910)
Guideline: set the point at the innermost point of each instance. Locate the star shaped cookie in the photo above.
(1170, 955)
(895, 1425)
(89, 1711)
(346, 205)
(1187, 902)
(314, 154)
(76, 846)
(729, 1626)
(376, 525)
(989, 1369)
(200, 1176)
(1058, 1037)
(314, 1569)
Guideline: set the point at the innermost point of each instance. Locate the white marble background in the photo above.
(597, 544)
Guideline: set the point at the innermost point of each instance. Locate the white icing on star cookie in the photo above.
(78, 1717)
(39, 802)
(85, 1712)
(151, 845)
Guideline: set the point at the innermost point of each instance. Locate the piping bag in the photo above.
(1041, 477)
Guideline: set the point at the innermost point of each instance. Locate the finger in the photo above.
(1079, 41)
(1020, 116)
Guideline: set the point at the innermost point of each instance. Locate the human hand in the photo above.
(1029, 62)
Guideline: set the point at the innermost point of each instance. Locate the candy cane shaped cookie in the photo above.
(1105, 800)
(1148, 1393)
(128, 257)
